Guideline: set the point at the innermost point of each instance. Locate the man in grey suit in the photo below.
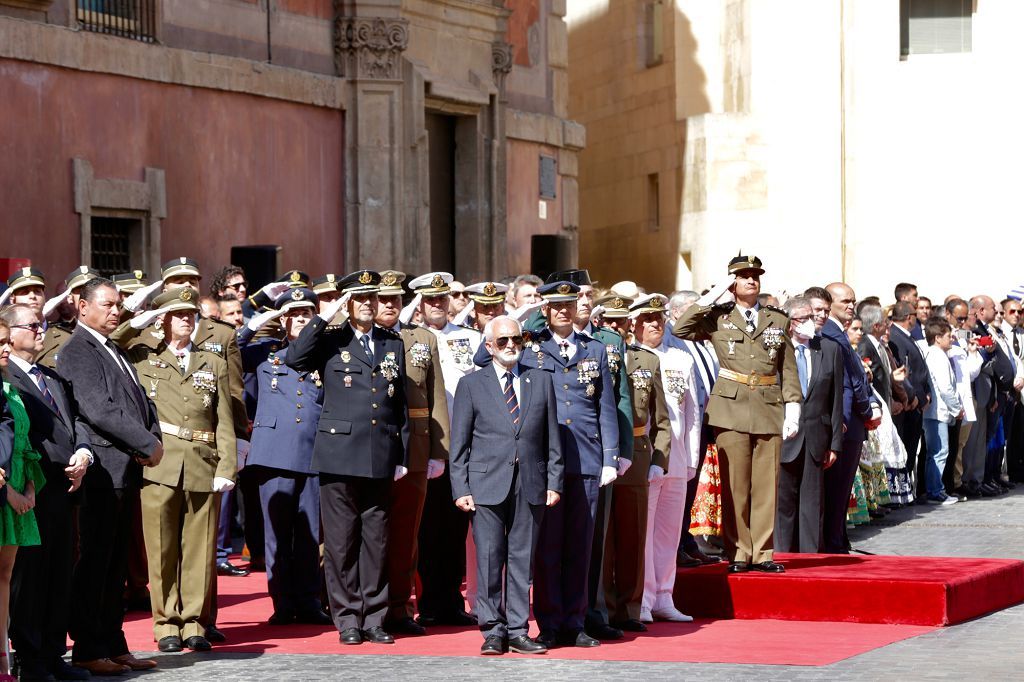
(800, 514)
(506, 466)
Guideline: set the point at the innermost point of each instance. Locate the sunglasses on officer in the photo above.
(503, 341)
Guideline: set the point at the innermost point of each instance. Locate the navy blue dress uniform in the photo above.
(361, 440)
(288, 405)
(589, 433)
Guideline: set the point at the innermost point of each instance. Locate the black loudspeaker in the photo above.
(261, 262)
(550, 253)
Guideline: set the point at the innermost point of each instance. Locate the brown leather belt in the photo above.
(185, 433)
(639, 431)
(751, 380)
(419, 412)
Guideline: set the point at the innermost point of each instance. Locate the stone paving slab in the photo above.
(987, 648)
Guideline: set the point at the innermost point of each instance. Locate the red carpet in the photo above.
(856, 589)
(244, 609)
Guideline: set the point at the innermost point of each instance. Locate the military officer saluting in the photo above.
(128, 283)
(428, 451)
(624, 560)
(360, 448)
(281, 457)
(486, 302)
(758, 376)
(181, 494)
(25, 286)
(61, 309)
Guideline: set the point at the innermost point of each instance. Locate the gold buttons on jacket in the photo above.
(298, 420)
(375, 406)
(298, 392)
(373, 422)
(298, 406)
(568, 421)
(185, 417)
(565, 370)
(185, 398)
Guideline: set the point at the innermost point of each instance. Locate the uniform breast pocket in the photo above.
(772, 395)
(348, 369)
(334, 426)
(725, 389)
(264, 422)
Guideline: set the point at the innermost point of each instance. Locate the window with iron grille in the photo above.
(111, 245)
(132, 19)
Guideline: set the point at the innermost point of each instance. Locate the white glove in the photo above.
(655, 473)
(461, 316)
(242, 452)
(400, 471)
(624, 465)
(524, 312)
(275, 289)
(135, 301)
(716, 292)
(143, 320)
(876, 413)
(791, 424)
(435, 467)
(332, 308)
(222, 485)
(608, 475)
(257, 321)
(408, 310)
(51, 304)
(597, 311)
(4, 295)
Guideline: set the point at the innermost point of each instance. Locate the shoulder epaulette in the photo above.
(226, 324)
(780, 311)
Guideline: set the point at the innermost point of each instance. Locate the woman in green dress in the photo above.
(22, 477)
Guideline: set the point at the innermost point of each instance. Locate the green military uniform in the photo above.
(428, 439)
(179, 508)
(758, 375)
(627, 529)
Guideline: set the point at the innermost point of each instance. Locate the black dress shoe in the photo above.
(493, 646)
(351, 636)
(1009, 485)
(768, 567)
(281, 618)
(738, 567)
(603, 631)
(524, 645)
(704, 558)
(226, 568)
(630, 625)
(580, 639)
(684, 560)
(458, 618)
(213, 634)
(198, 643)
(405, 626)
(547, 638)
(989, 490)
(317, 617)
(37, 672)
(377, 635)
(62, 670)
(169, 644)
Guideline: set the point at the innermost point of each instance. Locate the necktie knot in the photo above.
(365, 340)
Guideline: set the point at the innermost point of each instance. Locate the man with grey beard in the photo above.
(506, 467)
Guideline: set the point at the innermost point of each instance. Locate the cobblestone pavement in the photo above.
(987, 648)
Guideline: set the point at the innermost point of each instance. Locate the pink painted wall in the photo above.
(239, 169)
(524, 199)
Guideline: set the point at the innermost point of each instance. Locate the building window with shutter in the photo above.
(935, 26)
(653, 203)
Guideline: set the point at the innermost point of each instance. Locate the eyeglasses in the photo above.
(802, 318)
(458, 294)
(1012, 312)
(502, 341)
(237, 285)
(34, 327)
(961, 320)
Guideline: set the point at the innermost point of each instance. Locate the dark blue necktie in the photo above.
(365, 340)
(510, 398)
(37, 376)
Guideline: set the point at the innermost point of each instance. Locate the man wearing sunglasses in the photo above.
(506, 467)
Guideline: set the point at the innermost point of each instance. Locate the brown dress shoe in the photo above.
(135, 663)
(102, 666)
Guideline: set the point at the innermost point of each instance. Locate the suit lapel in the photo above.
(525, 394)
(356, 349)
(736, 317)
(116, 368)
(815, 368)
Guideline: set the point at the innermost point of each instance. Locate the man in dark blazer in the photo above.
(125, 432)
(41, 584)
(861, 413)
(910, 424)
(876, 355)
(506, 466)
(805, 457)
(360, 447)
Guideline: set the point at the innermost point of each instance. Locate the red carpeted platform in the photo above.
(856, 589)
(244, 609)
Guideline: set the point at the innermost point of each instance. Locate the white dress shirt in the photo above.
(120, 361)
(807, 356)
(359, 338)
(501, 372)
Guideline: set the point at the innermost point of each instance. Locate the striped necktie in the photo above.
(37, 376)
(510, 398)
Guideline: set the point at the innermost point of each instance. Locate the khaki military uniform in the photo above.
(56, 336)
(627, 528)
(179, 508)
(758, 375)
(428, 439)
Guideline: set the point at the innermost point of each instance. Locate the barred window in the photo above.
(132, 19)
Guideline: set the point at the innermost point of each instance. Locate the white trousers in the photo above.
(666, 500)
